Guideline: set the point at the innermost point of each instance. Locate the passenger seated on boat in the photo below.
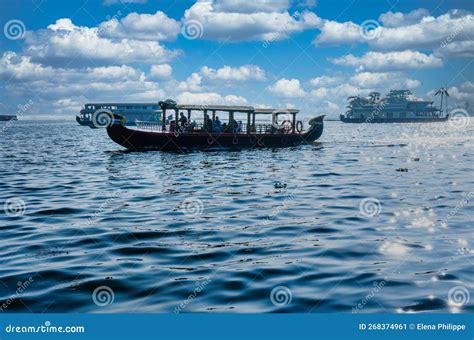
(182, 120)
(225, 127)
(217, 125)
(233, 126)
(172, 126)
(207, 123)
(236, 126)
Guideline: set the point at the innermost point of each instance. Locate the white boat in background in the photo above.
(132, 112)
(398, 106)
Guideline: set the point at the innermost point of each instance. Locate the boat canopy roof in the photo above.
(123, 104)
(276, 111)
(215, 108)
(171, 105)
(245, 109)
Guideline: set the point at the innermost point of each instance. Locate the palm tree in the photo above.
(443, 92)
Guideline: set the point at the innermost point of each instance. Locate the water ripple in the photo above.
(219, 231)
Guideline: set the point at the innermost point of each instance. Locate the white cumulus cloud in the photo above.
(64, 43)
(398, 60)
(235, 21)
(209, 98)
(287, 88)
(397, 19)
(161, 71)
(325, 81)
(245, 6)
(387, 80)
(153, 27)
(239, 74)
(414, 31)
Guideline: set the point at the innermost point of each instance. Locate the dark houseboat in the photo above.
(184, 134)
(7, 118)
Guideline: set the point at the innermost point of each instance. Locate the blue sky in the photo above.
(306, 54)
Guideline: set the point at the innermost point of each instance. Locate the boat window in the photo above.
(154, 107)
(389, 115)
(128, 107)
(403, 114)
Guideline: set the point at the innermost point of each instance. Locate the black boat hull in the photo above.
(7, 118)
(83, 122)
(393, 120)
(169, 141)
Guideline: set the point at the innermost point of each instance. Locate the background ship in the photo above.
(396, 107)
(6, 118)
(132, 112)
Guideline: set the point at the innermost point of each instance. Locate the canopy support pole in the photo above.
(176, 119)
(248, 122)
(293, 124)
(163, 120)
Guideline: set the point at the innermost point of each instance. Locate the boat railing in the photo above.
(149, 126)
(199, 127)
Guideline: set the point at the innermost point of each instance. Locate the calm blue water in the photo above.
(328, 227)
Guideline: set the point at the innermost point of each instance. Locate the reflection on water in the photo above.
(331, 227)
